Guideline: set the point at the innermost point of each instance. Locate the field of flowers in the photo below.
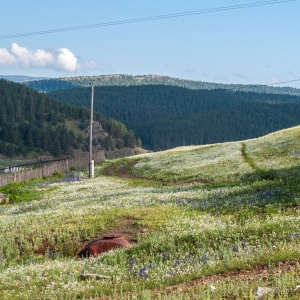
(217, 163)
(276, 151)
(230, 207)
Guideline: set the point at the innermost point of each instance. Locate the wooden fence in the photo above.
(47, 168)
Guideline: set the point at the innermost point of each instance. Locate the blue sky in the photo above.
(257, 45)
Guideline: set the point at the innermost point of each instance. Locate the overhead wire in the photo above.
(123, 89)
(222, 84)
(147, 19)
(158, 17)
(282, 82)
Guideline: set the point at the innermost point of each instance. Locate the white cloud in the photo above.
(6, 58)
(66, 60)
(61, 59)
(27, 58)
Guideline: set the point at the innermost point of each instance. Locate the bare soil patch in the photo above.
(111, 170)
(260, 272)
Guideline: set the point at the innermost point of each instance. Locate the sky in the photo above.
(250, 45)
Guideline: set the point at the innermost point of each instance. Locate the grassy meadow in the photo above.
(205, 222)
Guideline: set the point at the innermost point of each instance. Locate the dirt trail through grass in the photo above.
(112, 170)
(122, 169)
(257, 273)
(257, 276)
(247, 159)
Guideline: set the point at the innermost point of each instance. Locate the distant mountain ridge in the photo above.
(21, 78)
(166, 112)
(54, 84)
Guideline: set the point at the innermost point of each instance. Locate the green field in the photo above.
(205, 222)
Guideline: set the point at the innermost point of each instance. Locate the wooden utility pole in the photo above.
(91, 162)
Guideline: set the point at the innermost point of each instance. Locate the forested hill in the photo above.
(167, 116)
(21, 78)
(34, 123)
(55, 84)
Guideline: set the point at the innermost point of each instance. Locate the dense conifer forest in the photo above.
(168, 116)
(33, 122)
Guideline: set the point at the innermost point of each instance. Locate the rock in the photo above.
(2, 196)
(261, 292)
(212, 287)
(297, 289)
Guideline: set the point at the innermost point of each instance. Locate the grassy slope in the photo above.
(238, 210)
(227, 162)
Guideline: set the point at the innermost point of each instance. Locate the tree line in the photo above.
(35, 122)
(167, 116)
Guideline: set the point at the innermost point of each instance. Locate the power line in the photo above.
(282, 82)
(146, 19)
(221, 84)
(106, 89)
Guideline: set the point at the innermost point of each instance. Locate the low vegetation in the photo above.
(208, 222)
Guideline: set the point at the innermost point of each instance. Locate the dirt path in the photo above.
(122, 169)
(260, 272)
(111, 170)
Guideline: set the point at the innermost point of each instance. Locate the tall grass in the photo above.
(225, 217)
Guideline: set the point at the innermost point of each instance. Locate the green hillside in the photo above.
(48, 85)
(215, 221)
(233, 162)
(168, 116)
(34, 123)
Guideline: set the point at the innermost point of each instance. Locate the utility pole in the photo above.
(91, 162)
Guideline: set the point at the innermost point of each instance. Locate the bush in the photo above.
(58, 174)
(18, 192)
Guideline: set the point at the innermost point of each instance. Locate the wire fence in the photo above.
(40, 169)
